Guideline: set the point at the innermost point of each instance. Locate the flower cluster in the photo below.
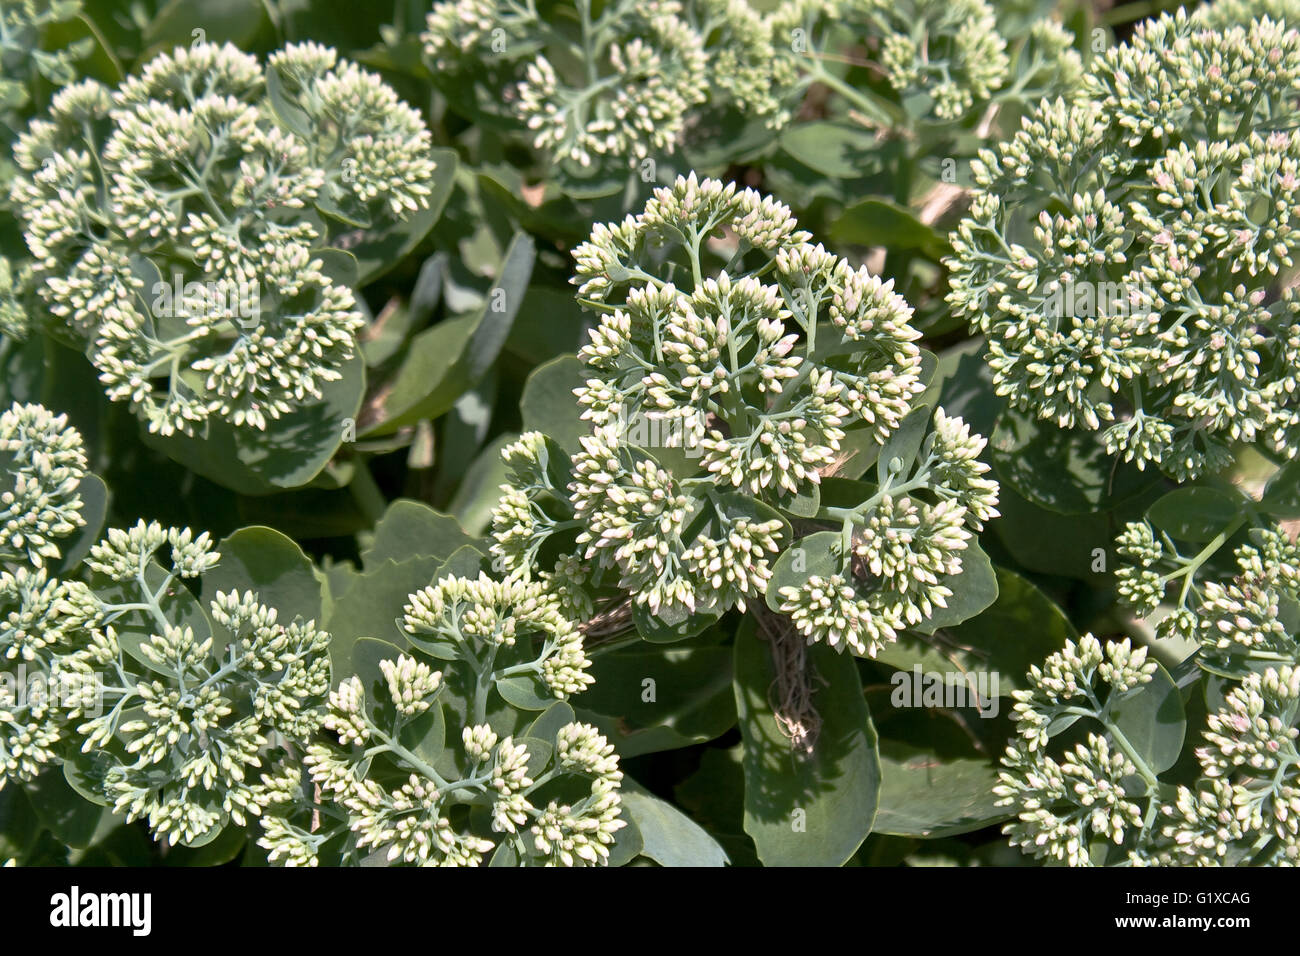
(184, 702)
(1140, 295)
(1244, 809)
(45, 462)
(172, 222)
(1228, 13)
(893, 560)
(1105, 802)
(41, 616)
(587, 85)
(1099, 792)
(429, 769)
(935, 62)
(1240, 614)
(518, 629)
(732, 363)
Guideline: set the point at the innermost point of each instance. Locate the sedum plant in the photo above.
(1124, 251)
(194, 286)
(932, 63)
(1098, 774)
(189, 700)
(21, 25)
(41, 615)
(593, 84)
(430, 760)
(732, 362)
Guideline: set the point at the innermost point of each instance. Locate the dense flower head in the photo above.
(730, 358)
(544, 801)
(731, 362)
(901, 547)
(1244, 810)
(957, 59)
(931, 62)
(191, 697)
(41, 619)
(1228, 13)
(742, 59)
(620, 85)
(515, 621)
(1140, 294)
(1231, 609)
(1239, 807)
(44, 462)
(193, 282)
(1094, 792)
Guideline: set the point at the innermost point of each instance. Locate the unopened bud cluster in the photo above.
(621, 86)
(752, 354)
(477, 781)
(205, 173)
(1124, 250)
(194, 695)
(1103, 802)
(41, 615)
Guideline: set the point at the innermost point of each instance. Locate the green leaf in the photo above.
(806, 810)
(446, 360)
(480, 490)
(62, 810)
(984, 642)
(965, 387)
(1062, 470)
(372, 605)
(292, 450)
(815, 554)
(1049, 542)
(548, 404)
(974, 588)
(1153, 720)
(668, 836)
(182, 22)
(94, 509)
(645, 701)
(927, 795)
(839, 151)
(551, 720)
(264, 561)
(293, 117)
(527, 692)
(1282, 494)
(558, 329)
(410, 529)
(220, 848)
(878, 222)
(714, 796)
(670, 625)
(901, 448)
(1196, 514)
